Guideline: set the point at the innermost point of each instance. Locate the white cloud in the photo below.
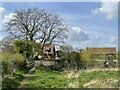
(1, 37)
(77, 29)
(113, 40)
(110, 9)
(7, 18)
(77, 34)
(2, 9)
(97, 37)
(107, 44)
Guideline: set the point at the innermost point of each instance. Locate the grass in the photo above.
(56, 79)
(98, 79)
(46, 79)
(12, 81)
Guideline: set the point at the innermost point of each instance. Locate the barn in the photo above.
(102, 50)
(103, 54)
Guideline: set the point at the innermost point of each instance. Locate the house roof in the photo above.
(102, 50)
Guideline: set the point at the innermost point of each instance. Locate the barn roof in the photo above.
(102, 50)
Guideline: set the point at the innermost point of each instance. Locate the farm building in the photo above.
(102, 52)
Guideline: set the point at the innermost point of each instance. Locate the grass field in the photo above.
(71, 79)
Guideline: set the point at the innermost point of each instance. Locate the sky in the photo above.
(93, 24)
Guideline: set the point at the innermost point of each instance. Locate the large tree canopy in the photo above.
(36, 24)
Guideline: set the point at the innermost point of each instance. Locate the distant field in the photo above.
(71, 79)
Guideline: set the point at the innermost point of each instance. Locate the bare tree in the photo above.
(7, 44)
(35, 24)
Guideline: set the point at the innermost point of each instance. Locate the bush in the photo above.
(7, 64)
(11, 62)
(87, 59)
(27, 48)
(18, 61)
(23, 47)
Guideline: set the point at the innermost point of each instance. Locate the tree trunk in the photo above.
(31, 37)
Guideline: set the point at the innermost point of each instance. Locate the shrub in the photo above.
(87, 59)
(18, 61)
(23, 47)
(6, 63)
(11, 62)
(27, 48)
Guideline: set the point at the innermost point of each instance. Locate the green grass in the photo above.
(46, 79)
(56, 79)
(12, 81)
(104, 79)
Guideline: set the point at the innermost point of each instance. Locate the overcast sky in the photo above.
(92, 23)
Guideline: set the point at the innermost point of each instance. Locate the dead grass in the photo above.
(100, 69)
(110, 83)
(91, 83)
(74, 84)
(72, 74)
(94, 83)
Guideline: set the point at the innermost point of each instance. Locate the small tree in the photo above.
(67, 49)
(73, 58)
(24, 48)
(27, 48)
(87, 57)
(76, 60)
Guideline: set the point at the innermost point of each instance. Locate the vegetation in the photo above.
(12, 81)
(37, 24)
(11, 63)
(55, 79)
(98, 79)
(21, 46)
(88, 59)
(14, 62)
(46, 79)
